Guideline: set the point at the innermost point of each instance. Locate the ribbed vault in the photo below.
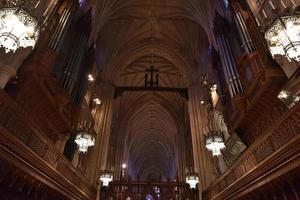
(151, 142)
(149, 128)
(142, 27)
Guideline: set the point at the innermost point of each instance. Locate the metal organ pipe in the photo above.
(294, 4)
(50, 8)
(71, 72)
(50, 12)
(229, 66)
(225, 67)
(77, 61)
(60, 31)
(244, 33)
(282, 3)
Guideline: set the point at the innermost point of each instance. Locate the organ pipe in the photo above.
(228, 62)
(248, 45)
(61, 29)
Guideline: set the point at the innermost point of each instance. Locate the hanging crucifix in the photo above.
(151, 83)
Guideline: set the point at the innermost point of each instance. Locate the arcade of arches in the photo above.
(136, 99)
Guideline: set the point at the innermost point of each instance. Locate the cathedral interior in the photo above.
(149, 99)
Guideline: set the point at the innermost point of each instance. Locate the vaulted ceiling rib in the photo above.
(133, 35)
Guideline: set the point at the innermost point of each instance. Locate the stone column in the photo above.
(198, 117)
(98, 190)
(61, 142)
(75, 160)
(6, 73)
(103, 117)
(10, 63)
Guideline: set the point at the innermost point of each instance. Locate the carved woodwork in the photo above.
(24, 144)
(272, 155)
(261, 85)
(120, 190)
(15, 184)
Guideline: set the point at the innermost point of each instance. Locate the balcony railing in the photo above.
(23, 139)
(268, 156)
(135, 190)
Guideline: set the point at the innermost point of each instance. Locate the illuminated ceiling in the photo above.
(168, 34)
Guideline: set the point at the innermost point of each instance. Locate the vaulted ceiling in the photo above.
(176, 30)
(171, 35)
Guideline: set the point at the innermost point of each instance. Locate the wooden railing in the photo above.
(22, 138)
(278, 146)
(135, 190)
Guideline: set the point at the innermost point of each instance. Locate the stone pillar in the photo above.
(10, 63)
(75, 161)
(61, 142)
(103, 117)
(6, 73)
(98, 190)
(198, 117)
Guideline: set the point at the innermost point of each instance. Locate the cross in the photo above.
(151, 83)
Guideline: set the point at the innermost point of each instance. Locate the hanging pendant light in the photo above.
(283, 37)
(106, 176)
(192, 179)
(17, 27)
(85, 137)
(215, 142)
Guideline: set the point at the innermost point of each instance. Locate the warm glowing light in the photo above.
(17, 29)
(90, 77)
(106, 177)
(97, 101)
(288, 98)
(192, 179)
(85, 137)
(84, 141)
(124, 166)
(283, 94)
(283, 37)
(215, 143)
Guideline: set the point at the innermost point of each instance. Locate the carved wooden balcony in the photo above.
(272, 155)
(25, 146)
(261, 85)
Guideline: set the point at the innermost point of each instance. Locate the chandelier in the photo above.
(85, 137)
(288, 98)
(215, 142)
(283, 37)
(17, 28)
(192, 179)
(106, 177)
